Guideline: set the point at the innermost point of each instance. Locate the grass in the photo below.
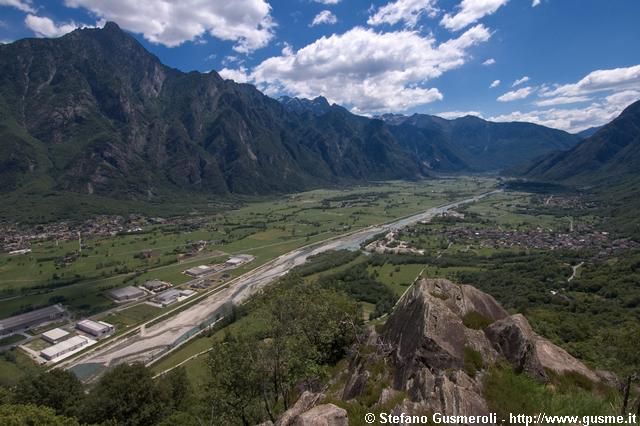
(397, 277)
(507, 392)
(476, 320)
(14, 365)
(472, 361)
(132, 316)
(10, 340)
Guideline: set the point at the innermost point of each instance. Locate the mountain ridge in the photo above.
(93, 112)
(610, 154)
(107, 117)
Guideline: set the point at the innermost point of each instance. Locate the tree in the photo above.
(58, 389)
(625, 347)
(176, 384)
(20, 415)
(127, 395)
(233, 391)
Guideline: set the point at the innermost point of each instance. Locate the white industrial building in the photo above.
(55, 335)
(97, 329)
(64, 347)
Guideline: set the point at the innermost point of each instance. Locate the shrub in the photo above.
(476, 320)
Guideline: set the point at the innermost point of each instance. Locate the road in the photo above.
(160, 337)
(574, 271)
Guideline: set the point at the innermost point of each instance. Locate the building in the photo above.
(167, 297)
(55, 335)
(19, 252)
(97, 329)
(238, 260)
(63, 347)
(30, 319)
(125, 294)
(156, 285)
(199, 270)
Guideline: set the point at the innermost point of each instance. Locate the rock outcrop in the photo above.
(428, 341)
(531, 353)
(431, 356)
(323, 415)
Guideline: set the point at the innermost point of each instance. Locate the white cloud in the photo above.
(324, 17)
(45, 27)
(23, 5)
(516, 94)
(248, 23)
(520, 81)
(238, 75)
(407, 11)
(562, 100)
(576, 119)
(327, 1)
(470, 11)
(535, 3)
(622, 85)
(494, 83)
(449, 115)
(6, 41)
(616, 79)
(367, 70)
(489, 61)
(623, 98)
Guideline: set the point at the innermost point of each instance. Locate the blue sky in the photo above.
(568, 64)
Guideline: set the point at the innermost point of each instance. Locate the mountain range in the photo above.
(611, 154)
(93, 112)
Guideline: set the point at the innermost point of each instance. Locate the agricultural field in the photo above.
(56, 271)
(528, 272)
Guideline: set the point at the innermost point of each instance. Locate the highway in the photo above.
(156, 339)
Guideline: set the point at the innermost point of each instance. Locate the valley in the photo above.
(234, 223)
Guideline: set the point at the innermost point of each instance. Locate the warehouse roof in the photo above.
(55, 334)
(168, 295)
(94, 326)
(65, 345)
(126, 292)
(43, 314)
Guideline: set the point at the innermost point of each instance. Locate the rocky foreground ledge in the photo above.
(432, 354)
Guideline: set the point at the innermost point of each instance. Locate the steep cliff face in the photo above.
(94, 112)
(434, 350)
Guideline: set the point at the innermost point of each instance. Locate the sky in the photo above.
(568, 64)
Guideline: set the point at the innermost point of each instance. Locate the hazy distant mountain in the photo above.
(476, 144)
(94, 112)
(613, 152)
(589, 132)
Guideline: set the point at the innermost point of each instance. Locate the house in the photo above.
(125, 294)
(63, 347)
(54, 336)
(97, 329)
(30, 319)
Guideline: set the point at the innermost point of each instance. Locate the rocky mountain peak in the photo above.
(436, 348)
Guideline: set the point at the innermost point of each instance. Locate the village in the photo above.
(17, 239)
